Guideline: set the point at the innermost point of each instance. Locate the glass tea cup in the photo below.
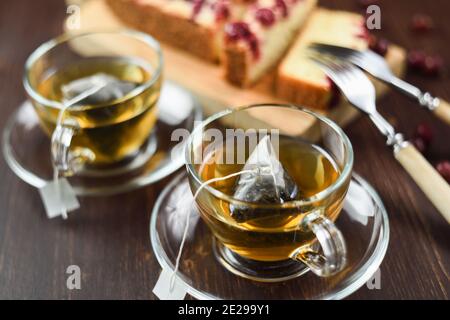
(272, 240)
(95, 95)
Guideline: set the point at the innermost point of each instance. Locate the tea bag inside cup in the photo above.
(264, 181)
(113, 89)
(89, 90)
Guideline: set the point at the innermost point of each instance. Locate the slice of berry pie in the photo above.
(195, 26)
(257, 42)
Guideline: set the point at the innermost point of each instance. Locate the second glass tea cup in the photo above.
(89, 134)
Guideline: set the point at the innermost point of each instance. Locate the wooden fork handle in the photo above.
(427, 178)
(443, 111)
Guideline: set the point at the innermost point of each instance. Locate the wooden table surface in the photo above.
(108, 238)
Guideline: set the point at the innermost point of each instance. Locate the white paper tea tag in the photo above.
(162, 288)
(59, 198)
(57, 195)
(358, 203)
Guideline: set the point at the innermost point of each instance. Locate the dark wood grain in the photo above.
(109, 238)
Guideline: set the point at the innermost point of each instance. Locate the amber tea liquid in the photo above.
(272, 237)
(113, 130)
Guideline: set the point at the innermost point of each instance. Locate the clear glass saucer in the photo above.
(26, 148)
(363, 222)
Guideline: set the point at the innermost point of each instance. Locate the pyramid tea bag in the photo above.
(264, 181)
(113, 89)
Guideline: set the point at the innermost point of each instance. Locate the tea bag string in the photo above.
(98, 85)
(186, 227)
(272, 169)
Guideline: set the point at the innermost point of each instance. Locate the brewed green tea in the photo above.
(265, 227)
(116, 122)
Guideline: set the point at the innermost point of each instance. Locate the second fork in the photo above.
(360, 92)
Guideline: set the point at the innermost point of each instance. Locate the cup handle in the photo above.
(65, 160)
(332, 256)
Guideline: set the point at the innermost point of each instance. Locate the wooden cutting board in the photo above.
(206, 81)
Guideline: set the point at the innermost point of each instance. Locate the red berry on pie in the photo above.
(283, 7)
(236, 31)
(265, 16)
(241, 31)
(197, 7)
(222, 11)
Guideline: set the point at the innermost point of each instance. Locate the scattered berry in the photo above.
(380, 46)
(265, 16)
(421, 23)
(420, 144)
(432, 65)
(423, 136)
(443, 168)
(416, 59)
(429, 65)
(424, 132)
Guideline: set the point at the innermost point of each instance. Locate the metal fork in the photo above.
(360, 92)
(378, 67)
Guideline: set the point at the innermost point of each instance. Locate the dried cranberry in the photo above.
(424, 132)
(236, 31)
(380, 46)
(222, 11)
(241, 31)
(421, 23)
(432, 65)
(443, 168)
(420, 144)
(265, 16)
(196, 8)
(283, 7)
(416, 59)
